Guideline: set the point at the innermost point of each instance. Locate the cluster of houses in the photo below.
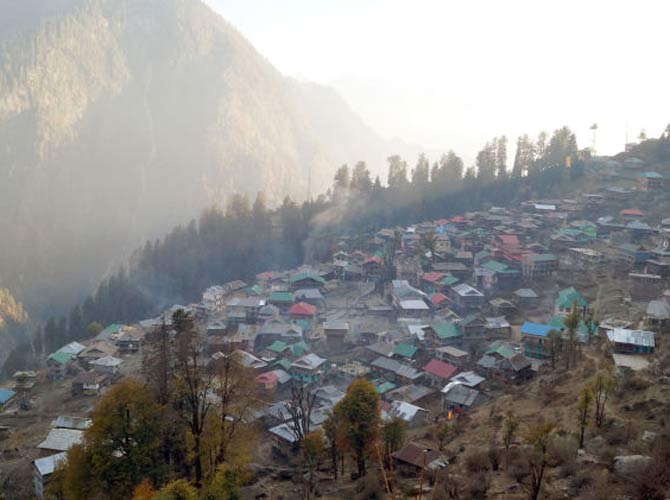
(466, 301)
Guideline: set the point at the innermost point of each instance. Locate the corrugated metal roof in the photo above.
(635, 337)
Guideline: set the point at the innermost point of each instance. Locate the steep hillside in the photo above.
(121, 118)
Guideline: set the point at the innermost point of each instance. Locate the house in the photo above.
(466, 296)
(394, 370)
(107, 364)
(410, 393)
(404, 350)
(302, 310)
(95, 351)
(412, 415)
(306, 280)
(632, 254)
(496, 275)
(110, 332)
(472, 325)
(57, 365)
(566, 298)
(442, 333)
(273, 331)
(65, 422)
(624, 341)
(585, 258)
(457, 397)
(281, 299)
(498, 325)
(438, 372)
(6, 395)
(651, 181)
(658, 314)
(527, 297)
(310, 295)
(373, 266)
(129, 341)
(243, 310)
(412, 458)
(43, 468)
(439, 300)
(432, 282)
(632, 214)
(536, 265)
(308, 368)
(452, 355)
(88, 383)
(535, 339)
(60, 440)
(336, 332)
(73, 349)
(469, 379)
(515, 369)
(267, 381)
(413, 308)
(284, 439)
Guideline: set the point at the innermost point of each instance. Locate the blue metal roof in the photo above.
(5, 395)
(535, 329)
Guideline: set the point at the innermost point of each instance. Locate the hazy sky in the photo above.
(448, 74)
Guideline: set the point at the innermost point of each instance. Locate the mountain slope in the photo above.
(121, 118)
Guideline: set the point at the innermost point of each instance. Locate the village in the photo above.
(443, 317)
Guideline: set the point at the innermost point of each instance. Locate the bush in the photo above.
(476, 486)
(563, 450)
(579, 483)
(370, 487)
(477, 461)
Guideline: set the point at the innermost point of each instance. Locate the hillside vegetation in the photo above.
(120, 119)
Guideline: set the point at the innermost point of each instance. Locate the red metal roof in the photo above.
(440, 369)
(302, 309)
(438, 298)
(632, 211)
(267, 378)
(509, 239)
(432, 277)
(374, 260)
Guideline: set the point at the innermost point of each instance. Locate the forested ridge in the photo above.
(121, 118)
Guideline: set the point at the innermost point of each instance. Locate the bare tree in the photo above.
(194, 384)
(603, 383)
(235, 387)
(539, 437)
(300, 408)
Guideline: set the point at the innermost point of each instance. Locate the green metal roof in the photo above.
(543, 257)
(254, 290)
(299, 348)
(446, 330)
(113, 328)
(286, 297)
(60, 357)
(384, 387)
(405, 350)
(568, 296)
(277, 346)
(285, 364)
(449, 279)
(301, 276)
(495, 266)
(502, 349)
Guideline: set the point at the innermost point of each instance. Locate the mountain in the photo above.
(122, 118)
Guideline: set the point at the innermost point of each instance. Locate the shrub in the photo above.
(563, 450)
(477, 461)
